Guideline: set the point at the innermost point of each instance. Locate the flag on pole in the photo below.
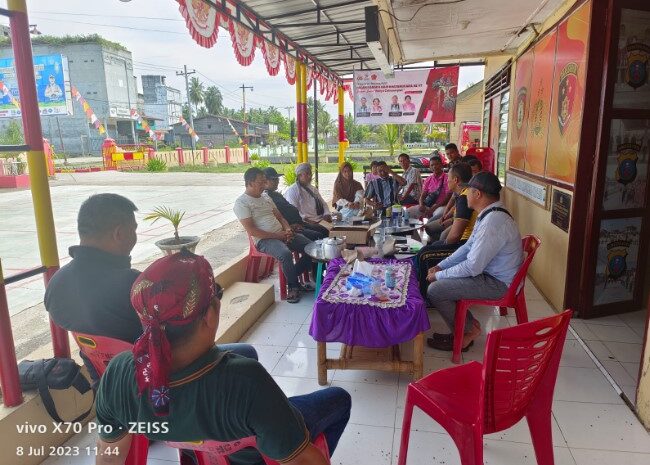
(189, 129)
(90, 114)
(143, 122)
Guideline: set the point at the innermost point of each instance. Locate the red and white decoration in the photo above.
(243, 42)
(202, 20)
(272, 57)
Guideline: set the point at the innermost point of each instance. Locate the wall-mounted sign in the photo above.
(533, 191)
(420, 96)
(632, 88)
(115, 112)
(561, 209)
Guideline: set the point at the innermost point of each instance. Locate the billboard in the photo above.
(52, 86)
(418, 96)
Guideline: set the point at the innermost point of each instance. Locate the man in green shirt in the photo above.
(178, 386)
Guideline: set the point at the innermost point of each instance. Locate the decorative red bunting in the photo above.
(272, 57)
(290, 68)
(202, 20)
(243, 42)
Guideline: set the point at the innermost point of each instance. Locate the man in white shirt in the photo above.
(306, 198)
(270, 231)
(483, 267)
(410, 181)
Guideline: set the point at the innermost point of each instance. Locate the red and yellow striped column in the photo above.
(342, 141)
(22, 48)
(303, 103)
(299, 112)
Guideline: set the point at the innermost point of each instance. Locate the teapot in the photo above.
(332, 247)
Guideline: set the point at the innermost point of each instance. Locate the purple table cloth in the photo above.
(367, 321)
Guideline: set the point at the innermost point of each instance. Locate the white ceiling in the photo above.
(467, 28)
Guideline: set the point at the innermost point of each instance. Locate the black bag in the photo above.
(432, 197)
(53, 373)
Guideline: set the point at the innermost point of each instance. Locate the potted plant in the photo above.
(177, 243)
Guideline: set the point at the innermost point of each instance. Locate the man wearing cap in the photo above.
(182, 388)
(271, 232)
(306, 198)
(482, 268)
(290, 213)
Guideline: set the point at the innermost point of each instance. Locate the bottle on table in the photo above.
(389, 277)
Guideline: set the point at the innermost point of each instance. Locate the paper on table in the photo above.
(364, 268)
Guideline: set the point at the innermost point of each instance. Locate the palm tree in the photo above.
(213, 100)
(390, 135)
(326, 125)
(197, 92)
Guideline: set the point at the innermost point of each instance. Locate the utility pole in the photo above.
(128, 98)
(186, 73)
(291, 129)
(243, 91)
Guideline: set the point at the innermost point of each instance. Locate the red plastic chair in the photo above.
(253, 267)
(513, 298)
(100, 350)
(485, 155)
(516, 380)
(216, 453)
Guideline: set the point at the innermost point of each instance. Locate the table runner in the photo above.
(366, 321)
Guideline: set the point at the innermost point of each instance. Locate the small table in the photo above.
(315, 251)
(365, 324)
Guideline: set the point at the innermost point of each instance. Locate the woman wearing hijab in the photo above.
(347, 192)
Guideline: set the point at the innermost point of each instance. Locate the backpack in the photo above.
(53, 373)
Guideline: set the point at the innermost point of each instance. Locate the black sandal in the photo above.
(293, 296)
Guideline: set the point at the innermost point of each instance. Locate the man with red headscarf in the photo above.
(183, 388)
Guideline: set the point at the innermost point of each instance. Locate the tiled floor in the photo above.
(616, 341)
(591, 423)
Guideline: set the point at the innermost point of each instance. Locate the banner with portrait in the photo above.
(417, 96)
(520, 109)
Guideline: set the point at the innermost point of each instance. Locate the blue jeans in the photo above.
(325, 411)
(283, 253)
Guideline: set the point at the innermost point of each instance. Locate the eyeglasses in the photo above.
(218, 291)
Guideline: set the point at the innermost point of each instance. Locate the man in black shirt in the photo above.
(290, 213)
(91, 293)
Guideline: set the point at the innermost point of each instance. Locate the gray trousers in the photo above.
(443, 295)
(282, 252)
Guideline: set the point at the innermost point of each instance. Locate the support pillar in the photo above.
(305, 126)
(22, 48)
(179, 155)
(298, 114)
(342, 147)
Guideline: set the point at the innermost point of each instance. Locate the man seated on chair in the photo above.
(482, 268)
(460, 229)
(91, 294)
(476, 166)
(306, 198)
(383, 191)
(435, 193)
(410, 181)
(175, 374)
(453, 155)
(290, 213)
(271, 232)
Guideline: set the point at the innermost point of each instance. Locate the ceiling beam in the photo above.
(325, 34)
(316, 9)
(321, 23)
(351, 44)
(346, 60)
(331, 52)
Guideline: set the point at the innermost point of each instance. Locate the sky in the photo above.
(155, 33)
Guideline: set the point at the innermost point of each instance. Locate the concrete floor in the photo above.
(207, 199)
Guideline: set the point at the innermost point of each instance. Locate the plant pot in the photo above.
(170, 246)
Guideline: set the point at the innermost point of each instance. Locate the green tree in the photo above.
(197, 92)
(357, 133)
(326, 126)
(213, 100)
(186, 112)
(11, 135)
(390, 136)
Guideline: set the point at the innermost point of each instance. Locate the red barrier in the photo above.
(179, 152)
(206, 158)
(151, 153)
(227, 154)
(246, 154)
(12, 395)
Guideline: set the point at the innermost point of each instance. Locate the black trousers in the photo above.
(429, 256)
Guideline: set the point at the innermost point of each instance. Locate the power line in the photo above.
(142, 29)
(108, 16)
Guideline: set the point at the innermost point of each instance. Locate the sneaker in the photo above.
(446, 345)
(293, 295)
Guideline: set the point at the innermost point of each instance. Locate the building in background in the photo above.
(161, 101)
(469, 112)
(217, 131)
(102, 71)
